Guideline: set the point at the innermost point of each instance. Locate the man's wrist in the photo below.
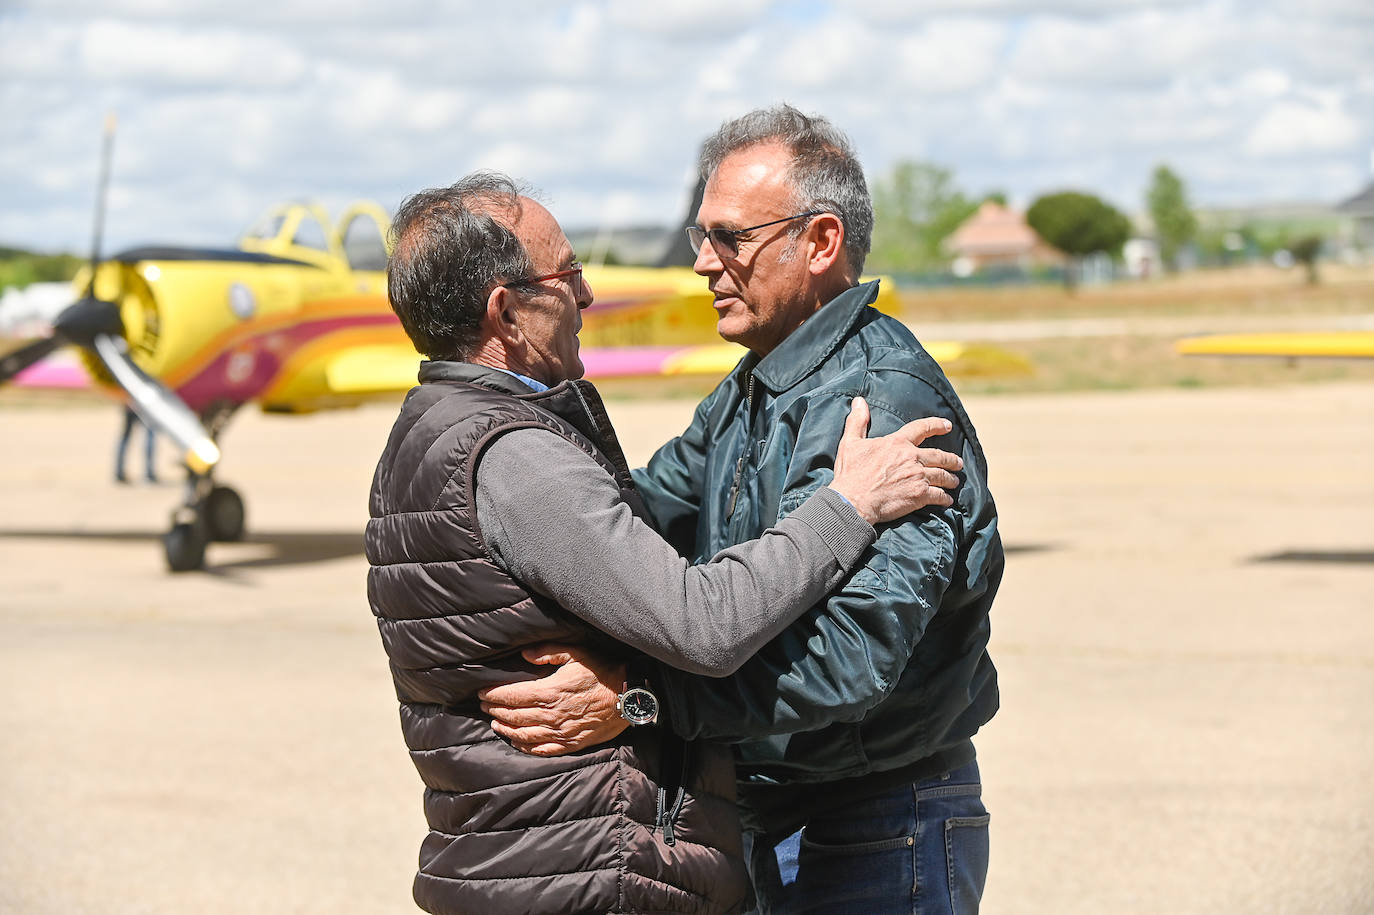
(838, 523)
(638, 703)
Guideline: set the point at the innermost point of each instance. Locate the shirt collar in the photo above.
(534, 385)
(472, 373)
(803, 350)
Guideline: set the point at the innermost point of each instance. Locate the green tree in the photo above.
(1175, 224)
(1305, 251)
(916, 207)
(1078, 224)
(19, 268)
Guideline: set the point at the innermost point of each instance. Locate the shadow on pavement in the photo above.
(1350, 557)
(287, 547)
(293, 547)
(1019, 548)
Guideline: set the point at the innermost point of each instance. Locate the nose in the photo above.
(708, 261)
(584, 294)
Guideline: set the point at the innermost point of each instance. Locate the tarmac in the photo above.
(1185, 641)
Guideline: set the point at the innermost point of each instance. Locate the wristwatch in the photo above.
(636, 703)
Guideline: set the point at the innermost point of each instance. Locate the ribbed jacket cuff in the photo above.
(838, 523)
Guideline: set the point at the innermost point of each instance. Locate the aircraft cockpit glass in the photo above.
(310, 234)
(268, 227)
(363, 244)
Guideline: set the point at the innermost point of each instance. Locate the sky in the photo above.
(226, 107)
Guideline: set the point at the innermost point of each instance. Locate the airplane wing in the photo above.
(1348, 344)
(376, 370)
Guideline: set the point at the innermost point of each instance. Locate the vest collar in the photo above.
(471, 373)
(576, 401)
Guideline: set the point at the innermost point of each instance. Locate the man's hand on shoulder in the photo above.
(571, 709)
(892, 476)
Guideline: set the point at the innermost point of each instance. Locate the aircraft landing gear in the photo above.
(224, 514)
(209, 513)
(185, 546)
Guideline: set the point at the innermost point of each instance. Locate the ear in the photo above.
(826, 243)
(501, 323)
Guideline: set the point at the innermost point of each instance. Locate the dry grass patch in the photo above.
(1241, 291)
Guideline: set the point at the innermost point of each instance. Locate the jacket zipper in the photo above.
(666, 815)
(746, 453)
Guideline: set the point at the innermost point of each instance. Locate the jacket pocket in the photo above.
(873, 575)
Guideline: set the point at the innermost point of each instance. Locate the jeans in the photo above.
(919, 848)
(149, 463)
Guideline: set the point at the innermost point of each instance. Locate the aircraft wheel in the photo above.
(185, 547)
(224, 514)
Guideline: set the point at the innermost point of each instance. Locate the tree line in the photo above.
(918, 206)
(19, 268)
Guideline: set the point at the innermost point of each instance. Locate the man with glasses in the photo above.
(858, 778)
(503, 518)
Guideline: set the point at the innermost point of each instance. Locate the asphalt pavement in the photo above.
(1185, 639)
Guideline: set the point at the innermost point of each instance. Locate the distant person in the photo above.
(859, 783)
(149, 448)
(503, 518)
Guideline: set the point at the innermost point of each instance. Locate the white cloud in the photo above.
(685, 19)
(1148, 47)
(179, 57)
(950, 56)
(226, 106)
(219, 12)
(905, 12)
(36, 51)
(1292, 128)
(1265, 82)
(1340, 10)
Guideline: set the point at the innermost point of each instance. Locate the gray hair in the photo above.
(450, 247)
(825, 174)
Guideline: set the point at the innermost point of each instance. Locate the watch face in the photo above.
(638, 706)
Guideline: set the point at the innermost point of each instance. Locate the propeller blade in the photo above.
(17, 360)
(158, 406)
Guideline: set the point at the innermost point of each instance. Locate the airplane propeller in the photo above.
(95, 324)
(17, 360)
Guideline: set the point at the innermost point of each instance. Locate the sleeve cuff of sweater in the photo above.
(838, 523)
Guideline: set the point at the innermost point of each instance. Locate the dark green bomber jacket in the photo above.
(891, 674)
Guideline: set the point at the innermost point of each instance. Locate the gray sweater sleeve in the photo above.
(555, 520)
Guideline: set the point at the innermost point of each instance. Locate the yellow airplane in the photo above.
(1336, 344)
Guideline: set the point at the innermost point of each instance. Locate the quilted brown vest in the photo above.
(509, 832)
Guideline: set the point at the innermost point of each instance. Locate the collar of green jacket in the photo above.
(807, 347)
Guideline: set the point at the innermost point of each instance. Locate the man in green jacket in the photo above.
(859, 784)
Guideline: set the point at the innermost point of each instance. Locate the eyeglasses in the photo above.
(574, 271)
(727, 240)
